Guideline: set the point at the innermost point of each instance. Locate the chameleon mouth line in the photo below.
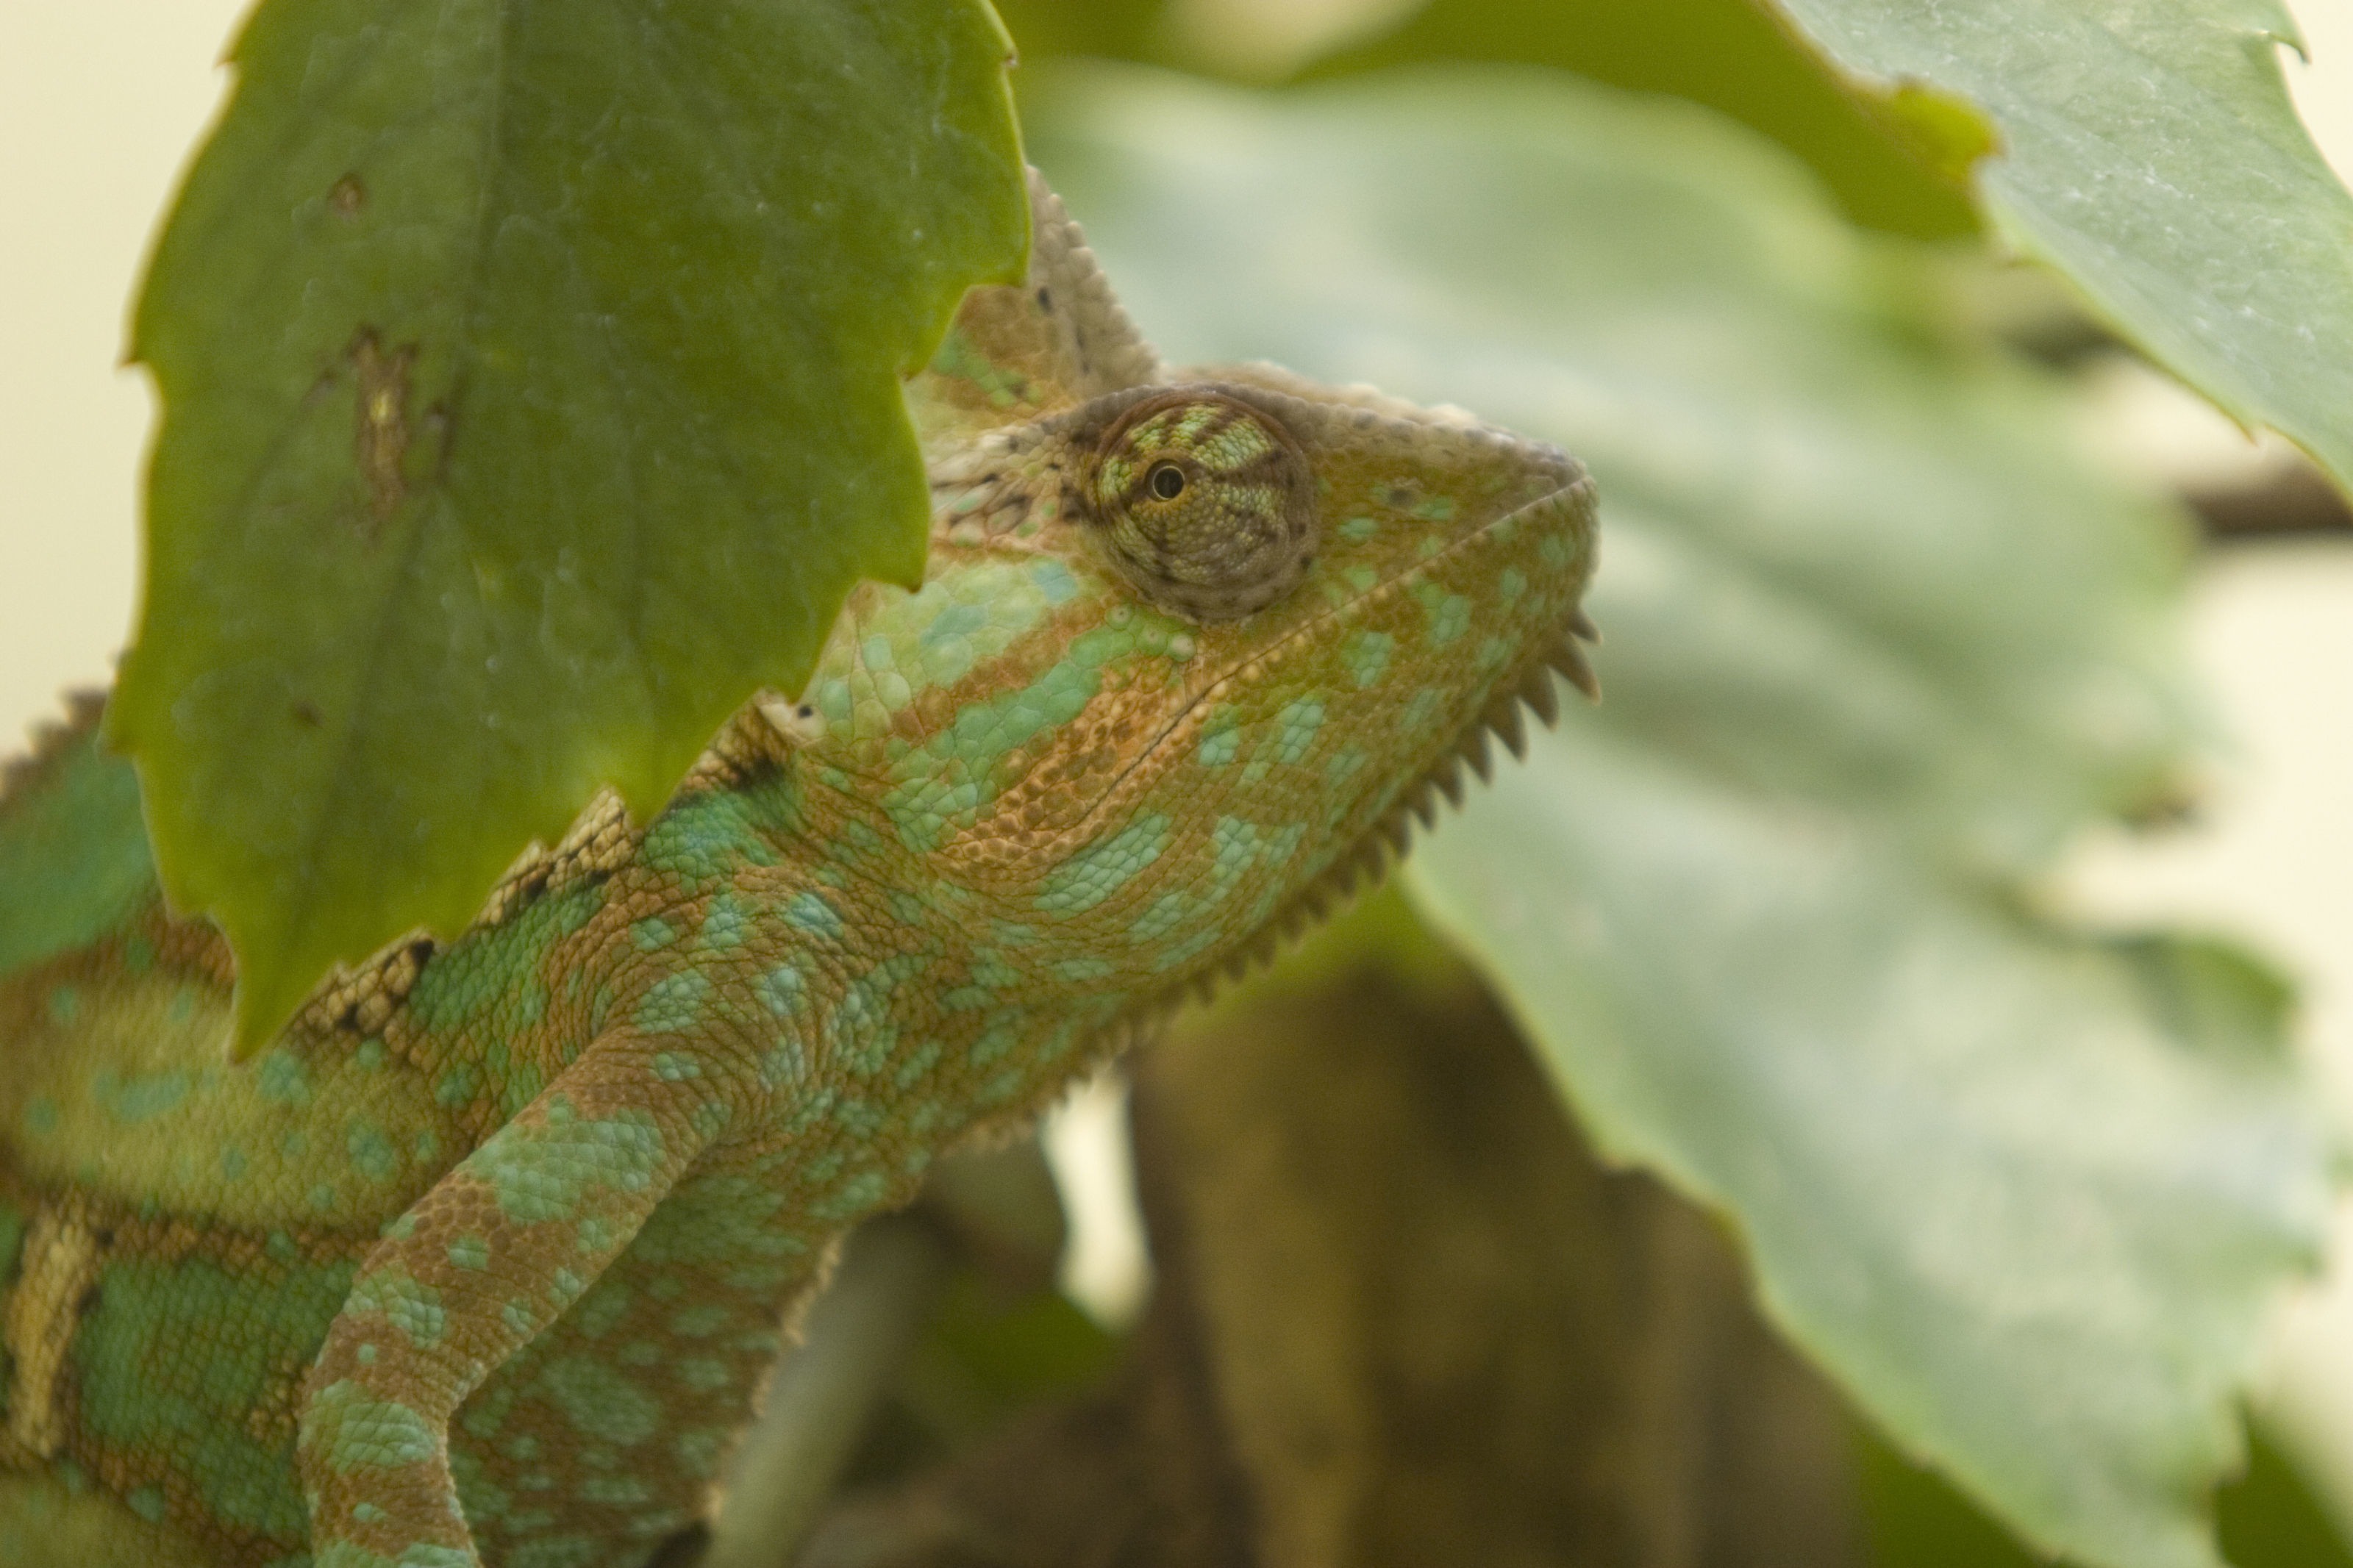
(1268, 655)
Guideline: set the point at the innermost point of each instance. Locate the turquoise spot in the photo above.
(457, 1086)
(546, 1171)
(652, 934)
(147, 1502)
(697, 1452)
(787, 1062)
(1220, 746)
(860, 1034)
(613, 1491)
(727, 924)
(1450, 613)
(1078, 971)
(603, 1309)
(1369, 656)
(407, 1304)
(1294, 730)
(470, 1252)
(855, 1196)
(700, 1322)
(136, 1099)
(1104, 866)
(366, 1433)
(676, 1066)
(1422, 709)
(811, 913)
(918, 1063)
(958, 620)
(1357, 529)
(65, 1006)
(673, 1002)
(1236, 846)
(372, 1154)
(704, 1374)
(1163, 917)
(781, 989)
(279, 1076)
(599, 1402)
(232, 1164)
(1054, 580)
(709, 836)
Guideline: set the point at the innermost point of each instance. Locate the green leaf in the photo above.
(1730, 55)
(2149, 152)
(530, 389)
(1879, 642)
(2266, 1516)
(1984, 1176)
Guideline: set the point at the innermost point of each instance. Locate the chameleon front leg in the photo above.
(478, 1266)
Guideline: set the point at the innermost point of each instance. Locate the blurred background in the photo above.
(100, 104)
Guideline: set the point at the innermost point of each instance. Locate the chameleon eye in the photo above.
(1204, 504)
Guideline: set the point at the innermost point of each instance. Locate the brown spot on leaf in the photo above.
(381, 438)
(347, 197)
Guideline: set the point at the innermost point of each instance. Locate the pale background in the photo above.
(100, 102)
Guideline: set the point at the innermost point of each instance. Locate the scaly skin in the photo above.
(486, 1257)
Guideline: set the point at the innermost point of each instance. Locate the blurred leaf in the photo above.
(2269, 1518)
(2030, 1226)
(1726, 53)
(1106, 29)
(530, 386)
(2150, 152)
(1916, 1520)
(1880, 642)
(2266, 1517)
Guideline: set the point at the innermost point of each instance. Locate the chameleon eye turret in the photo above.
(1206, 505)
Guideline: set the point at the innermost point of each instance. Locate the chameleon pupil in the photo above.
(1168, 481)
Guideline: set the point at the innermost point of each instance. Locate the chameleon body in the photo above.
(486, 1256)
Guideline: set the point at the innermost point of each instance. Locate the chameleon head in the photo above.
(1188, 655)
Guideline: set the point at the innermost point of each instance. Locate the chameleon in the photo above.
(486, 1257)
